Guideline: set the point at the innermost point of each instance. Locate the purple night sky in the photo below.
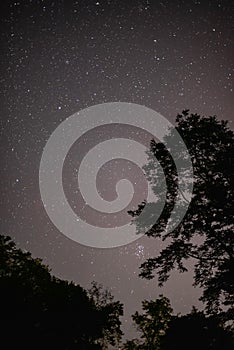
(59, 57)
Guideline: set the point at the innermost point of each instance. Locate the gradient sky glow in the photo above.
(59, 57)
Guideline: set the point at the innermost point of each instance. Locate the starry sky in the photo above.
(59, 57)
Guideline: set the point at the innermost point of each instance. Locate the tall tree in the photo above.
(206, 231)
(109, 315)
(161, 330)
(152, 324)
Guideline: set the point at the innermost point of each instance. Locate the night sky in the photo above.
(59, 57)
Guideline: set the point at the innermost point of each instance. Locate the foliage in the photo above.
(133, 344)
(109, 313)
(152, 324)
(161, 330)
(196, 331)
(42, 311)
(206, 232)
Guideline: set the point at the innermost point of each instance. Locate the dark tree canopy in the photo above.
(152, 324)
(161, 330)
(196, 331)
(206, 232)
(42, 311)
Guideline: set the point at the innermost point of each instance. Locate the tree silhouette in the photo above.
(109, 313)
(196, 331)
(206, 232)
(133, 344)
(161, 330)
(152, 324)
(42, 311)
